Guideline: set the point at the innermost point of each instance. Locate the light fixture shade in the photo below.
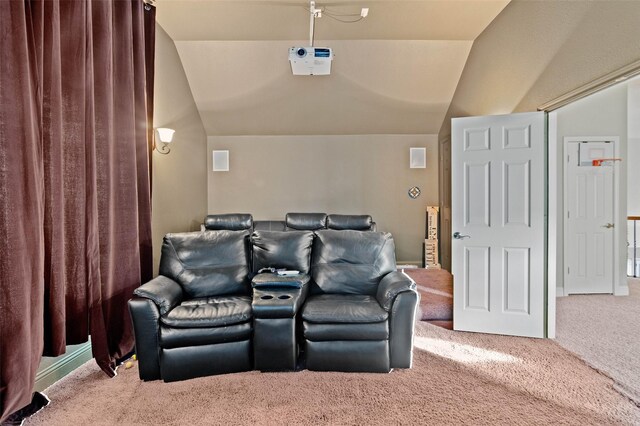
(165, 134)
(418, 158)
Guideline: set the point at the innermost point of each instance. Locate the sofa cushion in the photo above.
(339, 308)
(280, 249)
(351, 262)
(229, 222)
(349, 221)
(209, 263)
(171, 337)
(346, 331)
(209, 312)
(306, 221)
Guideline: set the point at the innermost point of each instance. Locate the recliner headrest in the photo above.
(306, 221)
(361, 222)
(228, 222)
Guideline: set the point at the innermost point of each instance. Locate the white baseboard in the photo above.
(62, 366)
(560, 292)
(417, 263)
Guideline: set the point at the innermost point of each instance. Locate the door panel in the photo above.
(476, 194)
(477, 140)
(516, 183)
(516, 283)
(517, 137)
(499, 210)
(477, 278)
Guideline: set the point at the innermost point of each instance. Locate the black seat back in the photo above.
(228, 222)
(356, 222)
(209, 263)
(351, 262)
(306, 221)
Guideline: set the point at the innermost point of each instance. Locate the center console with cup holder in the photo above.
(276, 301)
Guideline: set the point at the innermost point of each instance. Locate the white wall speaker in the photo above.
(418, 158)
(220, 161)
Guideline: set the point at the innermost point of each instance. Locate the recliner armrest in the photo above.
(163, 291)
(390, 286)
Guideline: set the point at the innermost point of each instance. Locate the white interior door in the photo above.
(589, 218)
(499, 224)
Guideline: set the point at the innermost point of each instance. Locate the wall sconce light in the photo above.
(166, 136)
(418, 158)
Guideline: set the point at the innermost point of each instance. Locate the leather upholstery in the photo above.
(344, 325)
(229, 222)
(163, 291)
(403, 317)
(346, 331)
(209, 312)
(298, 221)
(275, 344)
(343, 308)
(145, 318)
(269, 225)
(269, 280)
(204, 360)
(344, 355)
(290, 250)
(171, 337)
(351, 262)
(391, 285)
(277, 303)
(197, 318)
(209, 263)
(306, 221)
(349, 221)
(203, 292)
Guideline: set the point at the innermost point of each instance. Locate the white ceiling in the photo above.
(394, 72)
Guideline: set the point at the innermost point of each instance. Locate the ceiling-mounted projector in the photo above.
(310, 60)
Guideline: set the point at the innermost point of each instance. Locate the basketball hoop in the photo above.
(604, 162)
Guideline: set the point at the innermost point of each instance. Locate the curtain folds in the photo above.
(76, 109)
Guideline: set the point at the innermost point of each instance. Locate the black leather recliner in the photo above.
(361, 311)
(195, 318)
(292, 221)
(318, 221)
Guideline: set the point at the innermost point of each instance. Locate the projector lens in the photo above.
(301, 52)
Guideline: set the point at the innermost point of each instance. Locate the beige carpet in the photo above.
(604, 330)
(458, 378)
(436, 293)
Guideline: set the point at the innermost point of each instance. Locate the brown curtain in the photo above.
(76, 86)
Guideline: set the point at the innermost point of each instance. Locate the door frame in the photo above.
(616, 205)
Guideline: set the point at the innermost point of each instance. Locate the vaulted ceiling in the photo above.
(394, 72)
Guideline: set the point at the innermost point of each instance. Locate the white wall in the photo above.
(601, 114)
(179, 198)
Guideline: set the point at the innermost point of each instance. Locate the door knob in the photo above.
(458, 236)
(608, 225)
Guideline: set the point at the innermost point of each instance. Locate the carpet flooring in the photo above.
(604, 331)
(457, 378)
(436, 293)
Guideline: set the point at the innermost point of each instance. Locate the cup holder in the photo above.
(266, 297)
(284, 297)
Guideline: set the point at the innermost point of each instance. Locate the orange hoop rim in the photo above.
(598, 161)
